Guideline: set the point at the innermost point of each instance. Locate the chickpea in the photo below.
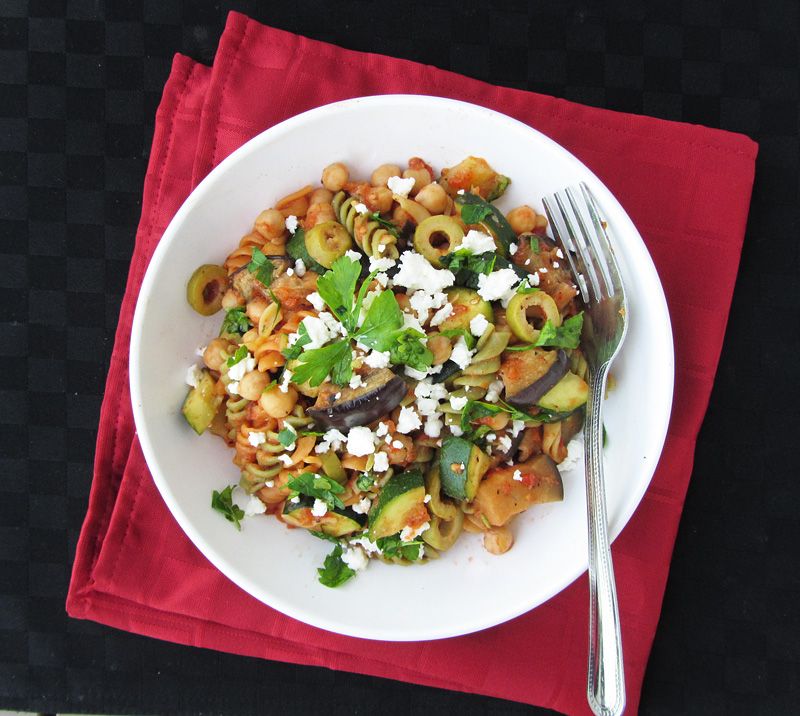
(400, 216)
(320, 196)
(270, 224)
(383, 173)
(522, 219)
(335, 176)
(433, 198)
(541, 221)
(278, 404)
(255, 307)
(379, 198)
(441, 348)
(231, 299)
(317, 214)
(216, 353)
(253, 384)
(422, 177)
(498, 540)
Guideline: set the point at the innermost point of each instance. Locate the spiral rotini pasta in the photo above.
(423, 390)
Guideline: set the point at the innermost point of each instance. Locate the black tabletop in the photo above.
(80, 83)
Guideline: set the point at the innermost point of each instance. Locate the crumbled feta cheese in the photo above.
(456, 430)
(332, 324)
(574, 453)
(354, 256)
(290, 272)
(512, 248)
(478, 325)
(362, 506)
(233, 387)
(426, 389)
(490, 437)
(291, 223)
(300, 267)
(377, 359)
(427, 406)
(409, 533)
(498, 285)
(416, 273)
(534, 279)
(285, 378)
(245, 365)
(256, 439)
(355, 558)
(316, 300)
(505, 443)
(427, 499)
(422, 301)
(517, 476)
(414, 373)
(517, 426)
(493, 391)
(408, 421)
(460, 192)
(286, 460)
(366, 544)
(434, 369)
(458, 403)
(193, 375)
(433, 426)
(380, 264)
(400, 186)
(360, 442)
(332, 439)
(318, 331)
(411, 322)
(269, 483)
(295, 499)
(381, 463)
(442, 314)
(382, 429)
(559, 253)
(360, 208)
(254, 506)
(556, 264)
(397, 445)
(356, 381)
(320, 508)
(382, 278)
(461, 355)
(543, 270)
(477, 242)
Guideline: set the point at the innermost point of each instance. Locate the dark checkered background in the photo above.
(80, 83)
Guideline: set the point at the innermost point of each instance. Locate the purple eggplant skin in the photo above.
(381, 393)
(530, 395)
(508, 455)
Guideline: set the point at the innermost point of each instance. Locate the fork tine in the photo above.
(596, 250)
(561, 235)
(584, 253)
(604, 243)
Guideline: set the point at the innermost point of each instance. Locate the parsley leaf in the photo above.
(464, 260)
(314, 366)
(337, 288)
(287, 437)
(317, 486)
(236, 322)
(241, 354)
(476, 409)
(469, 339)
(406, 348)
(382, 320)
(334, 572)
(222, 502)
(365, 482)
(261, 266)
(567, 335)
(326, 537)
(393, 546)
(385, 223)
(473, 213)
(294, 350)
(525, 287)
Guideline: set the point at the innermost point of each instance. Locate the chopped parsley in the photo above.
(287, 437)
(567, 335)
(474, 213)
(222, 502)
(334, 572)
(365, 482)
(385, 223)
(393, 546)
(261, 267)
(236, 322)
(318, 487)
(241, 354)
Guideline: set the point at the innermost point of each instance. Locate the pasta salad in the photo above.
(399, 363)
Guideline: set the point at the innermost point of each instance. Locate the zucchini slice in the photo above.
(462, 466)
(334, 522)
(466, 305)
(401, 502)
(565, 396)
(201, 404)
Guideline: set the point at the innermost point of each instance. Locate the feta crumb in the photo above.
(193, 375)
(416, 273)
(360, 442)
(533, 279)
(285, 378)
(527, 262)
(414, 373)
(316, 300)
(498, 285)
(477, 242)
(233, 387)
(517, 476)
(360, 208)
(458, 403)
(460, 192)
(318, 331)
(543, 270)
(286, 460)
(269, 483)
(382, 278)
(380, 264)
(256, 439)
(377, 359)
(409, 533)
(300, 267)
(290, 272)
(490, 437)
(512, 248)
(408, 420)
(354, 256)
(574, 457)
(400, 186)
(427, 406)
(505, 443)
(427, 499)
(397, 445)
(237, 370)
(320, 508)
(382, 429)
(366, 544)
(442, 314)
(291, 223)
(295, 499)
(493, 391)
(356, 381)
(517, 426)
(362, 506)
(556, 264)
(433, 426)
(254, 506)
(332, 439)
(478, 325)
(456, 430)
(381, 463)
(355, 558)
(461, 355)
(559, 253)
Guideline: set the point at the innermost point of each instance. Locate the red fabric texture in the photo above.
(686, 187)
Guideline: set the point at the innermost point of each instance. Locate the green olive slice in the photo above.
(524, 305)
(327, 242)
(437, 236)
(205, 288)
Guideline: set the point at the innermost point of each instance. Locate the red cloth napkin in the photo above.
(686, 187)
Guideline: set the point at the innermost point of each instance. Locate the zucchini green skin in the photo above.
(296, 248)
(462, 466)
(569, 394)
(466, 305)
(400, 498)
(201, 404)
(335, 522)
(495, 222)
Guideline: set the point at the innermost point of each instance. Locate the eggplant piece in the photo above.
(544, 373)
(449, 369)
(509, 454)
(245, 282)
(344, 408)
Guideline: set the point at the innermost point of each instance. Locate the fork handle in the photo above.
(606, 679)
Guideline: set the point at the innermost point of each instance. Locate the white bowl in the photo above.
(467, 589)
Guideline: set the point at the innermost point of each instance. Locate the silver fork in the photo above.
(575, 220)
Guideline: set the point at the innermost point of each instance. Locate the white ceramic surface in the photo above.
(467, 589)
